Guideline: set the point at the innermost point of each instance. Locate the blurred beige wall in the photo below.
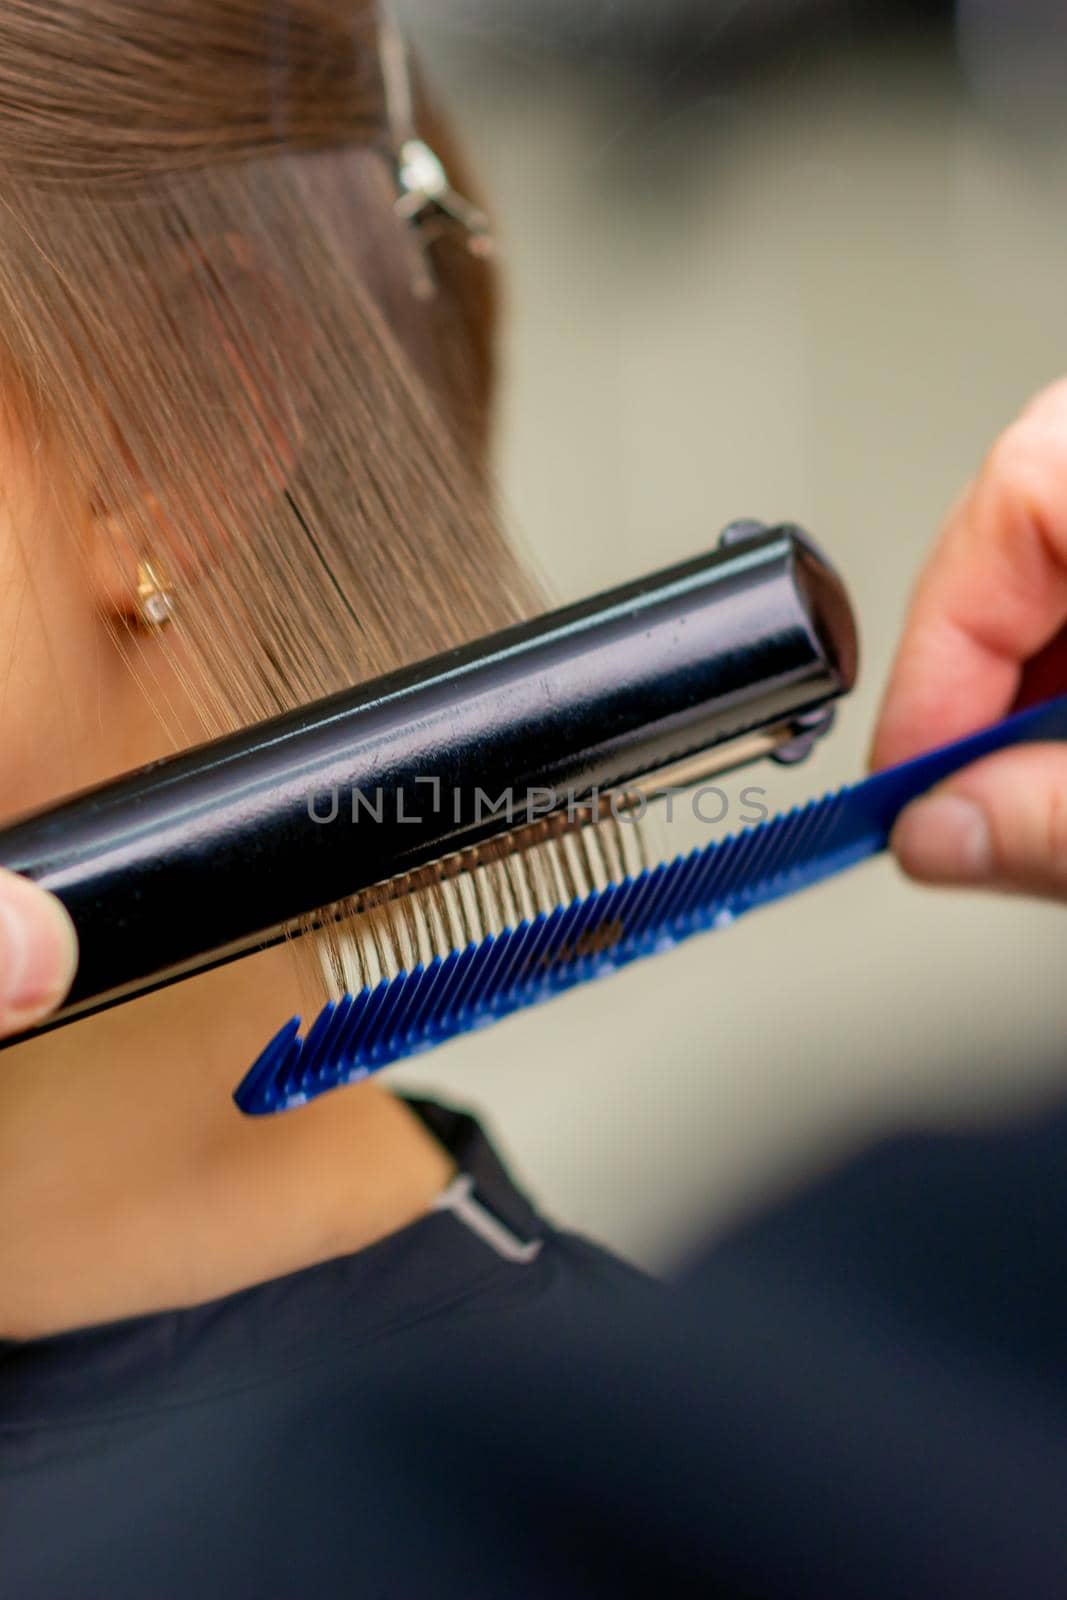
(817, 300)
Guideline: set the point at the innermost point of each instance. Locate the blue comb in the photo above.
(602, 931)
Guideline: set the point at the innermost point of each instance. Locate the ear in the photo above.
(241, 350)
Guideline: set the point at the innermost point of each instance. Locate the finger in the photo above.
(993, 595)
(1045, 676)
(38, 953)
(1000, 824)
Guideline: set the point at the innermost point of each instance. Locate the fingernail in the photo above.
(945, 839)
(38, 952)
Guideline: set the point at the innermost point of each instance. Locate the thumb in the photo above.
(38, 953)
(1000, 824)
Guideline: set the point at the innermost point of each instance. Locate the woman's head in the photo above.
(212, 359)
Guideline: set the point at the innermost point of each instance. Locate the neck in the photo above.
(130, 1183)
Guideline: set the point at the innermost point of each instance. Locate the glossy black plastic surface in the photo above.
(175, 863)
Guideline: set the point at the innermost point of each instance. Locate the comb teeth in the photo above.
(544, 955)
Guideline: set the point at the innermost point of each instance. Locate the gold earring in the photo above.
(155, 597)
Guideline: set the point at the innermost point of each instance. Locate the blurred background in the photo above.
(793, 259)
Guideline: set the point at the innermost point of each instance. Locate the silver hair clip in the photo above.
(426, 202)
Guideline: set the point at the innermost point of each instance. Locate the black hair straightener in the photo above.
(224, 849)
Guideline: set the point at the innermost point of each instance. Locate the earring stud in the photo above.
(155, 597)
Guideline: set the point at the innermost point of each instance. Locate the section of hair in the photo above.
(99, 91)
(206, 297)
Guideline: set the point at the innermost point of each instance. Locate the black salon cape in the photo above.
(863, 1394)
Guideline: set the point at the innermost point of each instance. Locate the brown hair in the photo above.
(206, 298)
